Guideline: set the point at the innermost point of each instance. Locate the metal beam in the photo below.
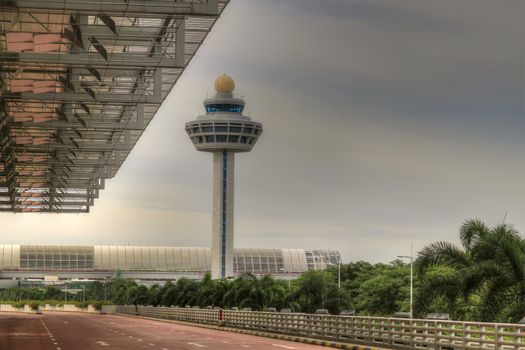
(81, 97)
(19, 210)
(117, 60)
(141, 8)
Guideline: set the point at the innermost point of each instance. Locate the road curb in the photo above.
(327, 343)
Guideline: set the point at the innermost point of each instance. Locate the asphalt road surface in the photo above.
(70, 331)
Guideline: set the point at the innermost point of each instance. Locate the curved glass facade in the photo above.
(56, 258)
(159, 259)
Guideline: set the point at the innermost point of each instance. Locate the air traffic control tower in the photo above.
(223, 130)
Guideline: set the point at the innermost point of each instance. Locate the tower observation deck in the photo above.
(223, 130)
(79, 83)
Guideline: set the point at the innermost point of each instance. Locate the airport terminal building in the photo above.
(150, 263)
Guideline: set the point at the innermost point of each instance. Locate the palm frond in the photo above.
(441, 253)
(471, 231)
(433, 288)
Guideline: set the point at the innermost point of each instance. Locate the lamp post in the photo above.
(338, 273)
(411, 258)
(284, 272)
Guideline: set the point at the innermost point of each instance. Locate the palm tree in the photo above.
(211, 292)
(241, 291)
(317, 290)
(270, 293)
(490, 264)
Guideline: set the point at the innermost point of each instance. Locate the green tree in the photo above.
(385, 292)
(317, 290)
(52, 293)
(136, 295)
(487, 271)
(154, 295)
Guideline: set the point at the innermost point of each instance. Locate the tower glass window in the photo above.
(224, 107)
(221, 128)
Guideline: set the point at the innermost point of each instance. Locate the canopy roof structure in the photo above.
(79, 82)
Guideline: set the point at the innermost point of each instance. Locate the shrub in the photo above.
(34, 305)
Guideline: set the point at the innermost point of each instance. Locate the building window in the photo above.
(55, 257)
(221, 138)
(233, 138)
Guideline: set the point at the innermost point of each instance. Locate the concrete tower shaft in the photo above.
(222, 222)
(224, 131)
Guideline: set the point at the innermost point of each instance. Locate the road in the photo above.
(70, 331)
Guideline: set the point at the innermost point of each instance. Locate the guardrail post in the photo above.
(221, 318)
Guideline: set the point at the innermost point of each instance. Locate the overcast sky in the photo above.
(385, 123)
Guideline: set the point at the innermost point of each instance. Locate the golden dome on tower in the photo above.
(224, 84)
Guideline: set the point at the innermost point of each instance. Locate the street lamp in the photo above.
(338, 273)
(411, 258)
(284, 272)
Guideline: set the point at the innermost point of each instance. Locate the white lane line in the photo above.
(151, 344)
(102, 343)
(198, 345)
(245, 346)
(139, 339)
(284, 346)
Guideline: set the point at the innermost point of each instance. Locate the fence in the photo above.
(393, 333)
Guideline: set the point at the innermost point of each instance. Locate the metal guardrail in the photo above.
(393, 333)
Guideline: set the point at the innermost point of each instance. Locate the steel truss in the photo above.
(80, 81)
